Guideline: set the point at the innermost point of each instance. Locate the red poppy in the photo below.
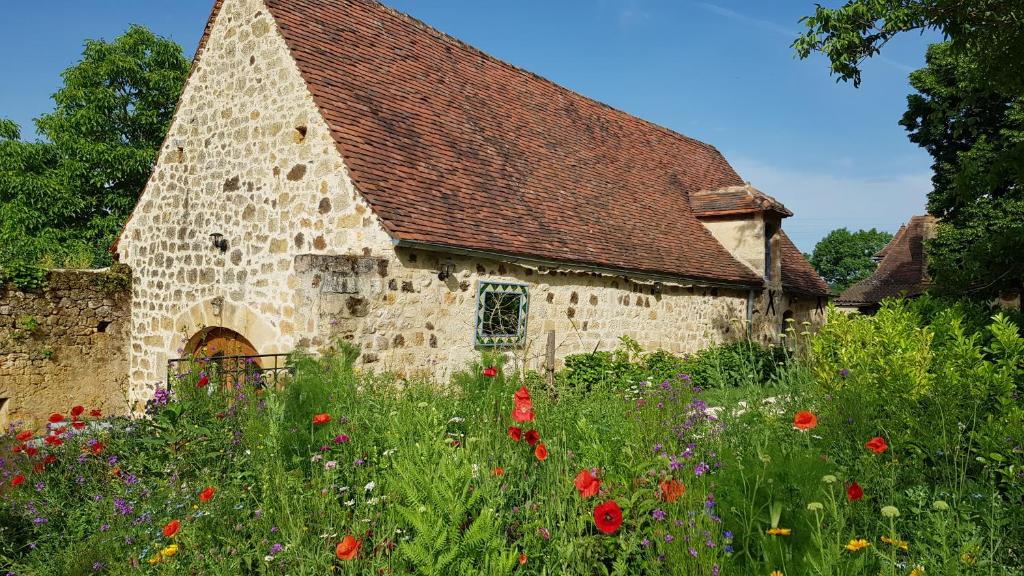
(877, 445)
(77, 411)
(31, 451)
(499, 471)
(17, 480)
(172, 528)
(515, 433)
(490, 372)
(203, 381)
(347, 548)
(95, 413)
(587, 484)
(50, 459)
(854, 492)
(671, 490)
(207, 494)
(56, 417)
(532, 437)
(97, 448)
(78, 425)
(18, 448)
(608, 517)
(522, 559)
(523, 411)
(53, 441)
(22, 436)
(321, 419)
(38, 467)
(805, 420)
(541, 452)
(60, 430)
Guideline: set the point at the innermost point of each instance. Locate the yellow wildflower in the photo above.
(158, 558)
(967, 558)
(857, 544)
(779, 531)
(169, 551)
(776, 573)
(901, 544)
(917, 571)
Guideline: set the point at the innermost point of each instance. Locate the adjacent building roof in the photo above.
(798, 276)
(735, 200)
(902, 271)
(455, 149)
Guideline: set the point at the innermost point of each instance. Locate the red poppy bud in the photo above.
(516, 434)
(207, 494)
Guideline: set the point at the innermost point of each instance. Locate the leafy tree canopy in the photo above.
(844, 258)
(64, 198)
(988, 32)
(974, 130)
(968, 113)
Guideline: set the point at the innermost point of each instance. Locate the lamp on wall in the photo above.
(219, 242)
(446, 271)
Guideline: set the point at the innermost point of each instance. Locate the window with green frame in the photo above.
(501, 311)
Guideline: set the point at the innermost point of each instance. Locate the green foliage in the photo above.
(844, 258)
(64, 198)
(988, 32)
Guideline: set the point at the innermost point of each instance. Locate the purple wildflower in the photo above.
(659, 514)
(700, 469)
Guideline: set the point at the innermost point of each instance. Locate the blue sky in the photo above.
(721, 71)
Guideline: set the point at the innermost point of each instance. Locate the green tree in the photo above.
(64, 198)
(968, 113)
(844, 258)
(974, 130)
(988, 32)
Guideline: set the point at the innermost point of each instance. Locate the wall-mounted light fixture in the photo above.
(219, 242)
(446, 270)
(657, 288)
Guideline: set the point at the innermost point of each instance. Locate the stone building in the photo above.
(902, 270)
(337, 170)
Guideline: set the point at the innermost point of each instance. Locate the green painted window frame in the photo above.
(488, 292)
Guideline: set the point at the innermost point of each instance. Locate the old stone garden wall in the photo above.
(63, 345)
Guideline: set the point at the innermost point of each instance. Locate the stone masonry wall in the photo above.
(248, 156)
(63, 345)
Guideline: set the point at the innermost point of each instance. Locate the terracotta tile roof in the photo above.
(456, 149)
(735, 200)
(896, 239)
(798, 276)
(901, 272)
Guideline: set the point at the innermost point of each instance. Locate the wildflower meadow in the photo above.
(889, 444)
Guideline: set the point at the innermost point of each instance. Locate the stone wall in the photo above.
(248, 156)
(63, 345)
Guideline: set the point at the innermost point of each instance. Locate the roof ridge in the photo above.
(442, 35)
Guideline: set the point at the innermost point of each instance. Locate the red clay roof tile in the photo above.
(456, 149)
(798, 276)
(902, 272)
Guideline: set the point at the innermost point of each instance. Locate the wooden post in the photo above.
(550, 361)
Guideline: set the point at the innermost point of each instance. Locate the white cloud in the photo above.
(823, 201)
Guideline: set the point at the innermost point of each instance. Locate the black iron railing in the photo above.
(259, 370)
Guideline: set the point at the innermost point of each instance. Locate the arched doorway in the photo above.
(224, 353)
(220, 342)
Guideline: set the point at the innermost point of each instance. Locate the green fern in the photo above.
(450, 530)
